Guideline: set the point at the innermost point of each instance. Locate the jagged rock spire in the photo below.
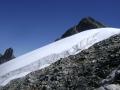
(8, 55)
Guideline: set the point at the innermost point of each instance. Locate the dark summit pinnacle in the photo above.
(88, 23)
(8, 55)
(85, 24)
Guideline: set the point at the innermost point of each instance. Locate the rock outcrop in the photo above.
(85, 24)
(8, 55)
(96, 68)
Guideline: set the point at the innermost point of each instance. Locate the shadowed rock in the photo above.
(8, 55)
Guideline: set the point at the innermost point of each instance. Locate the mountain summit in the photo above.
(85, 24)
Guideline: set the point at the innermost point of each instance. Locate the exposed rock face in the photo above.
(8, 55)
(85, 24)
(95, 68)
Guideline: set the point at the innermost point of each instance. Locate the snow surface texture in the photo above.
(49, 54)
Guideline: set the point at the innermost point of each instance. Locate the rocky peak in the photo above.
(85, 24)
(8, 55)
(88, 23)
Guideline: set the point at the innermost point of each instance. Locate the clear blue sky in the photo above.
(26, 25)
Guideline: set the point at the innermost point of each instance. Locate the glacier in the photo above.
(44, 56)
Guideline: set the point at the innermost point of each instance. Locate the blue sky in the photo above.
(26, 25)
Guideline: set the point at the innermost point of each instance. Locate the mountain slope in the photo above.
(97, 66)
(49, 54)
